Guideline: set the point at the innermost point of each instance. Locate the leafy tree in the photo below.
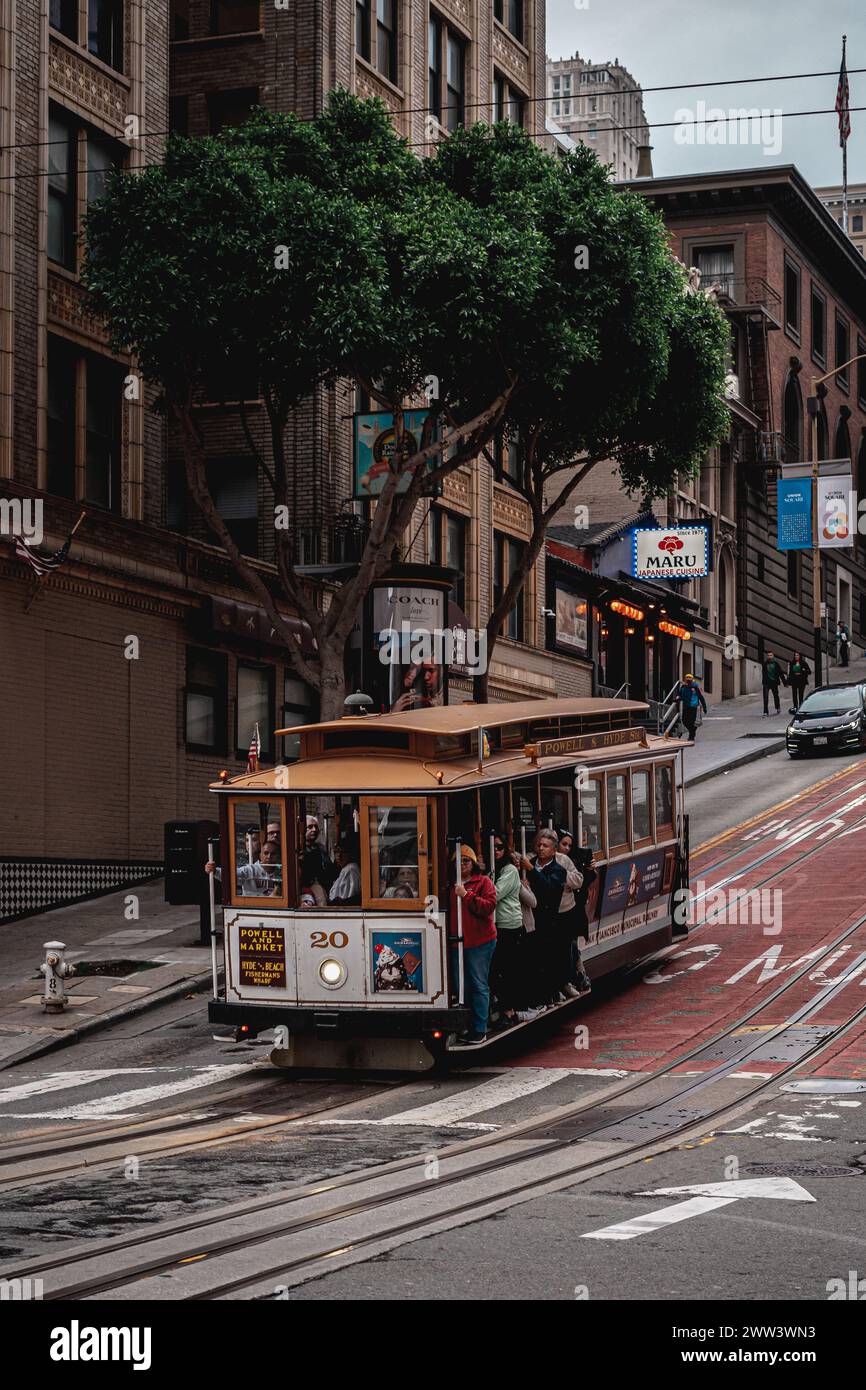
(313, 252)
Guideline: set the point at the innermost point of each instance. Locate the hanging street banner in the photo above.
(374, 449)
(794, 523)
(837, 512)
(671, 552)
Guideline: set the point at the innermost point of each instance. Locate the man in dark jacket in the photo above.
(691, 697)
(773, 677)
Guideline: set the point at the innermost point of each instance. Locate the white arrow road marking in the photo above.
(704, 1197)
(115, 1106)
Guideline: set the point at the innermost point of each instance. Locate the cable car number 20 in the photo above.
(337, 939)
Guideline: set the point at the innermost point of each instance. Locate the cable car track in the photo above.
(204, 1249)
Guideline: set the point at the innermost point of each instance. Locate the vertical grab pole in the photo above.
(460, 990)
(492, 865)
(580, 825)
(211, 849)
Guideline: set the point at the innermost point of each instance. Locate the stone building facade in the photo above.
(601, 105)
(136, 672)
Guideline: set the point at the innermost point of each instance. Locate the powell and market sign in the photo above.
(670, 552)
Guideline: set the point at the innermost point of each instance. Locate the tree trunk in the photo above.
(333, 689)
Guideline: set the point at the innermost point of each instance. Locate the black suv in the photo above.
(833, 716)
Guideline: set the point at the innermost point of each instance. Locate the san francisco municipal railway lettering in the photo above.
(262, 955)
(583, 743)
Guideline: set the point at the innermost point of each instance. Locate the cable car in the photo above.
(336, 867)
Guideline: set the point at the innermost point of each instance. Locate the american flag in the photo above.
(39, 563)
(255, 751)
(843, 102)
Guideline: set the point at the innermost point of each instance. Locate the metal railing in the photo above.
(669, 711)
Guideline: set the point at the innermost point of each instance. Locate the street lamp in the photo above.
(812, 406)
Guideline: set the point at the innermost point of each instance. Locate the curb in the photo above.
(193, 984)
(752, 757)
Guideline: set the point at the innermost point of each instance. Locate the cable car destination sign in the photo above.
(583, 743)
(670, 552)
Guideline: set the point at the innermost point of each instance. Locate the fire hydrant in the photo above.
(56, 970)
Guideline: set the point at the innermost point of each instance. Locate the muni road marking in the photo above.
(115, 1106)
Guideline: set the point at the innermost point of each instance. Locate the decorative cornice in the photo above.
(510, 513)
(511, 57)
(80, 82)
(70, 305)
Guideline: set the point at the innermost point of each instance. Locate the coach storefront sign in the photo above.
(674, 552)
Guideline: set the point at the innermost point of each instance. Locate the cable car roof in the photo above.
(417, 767)
(465, 718)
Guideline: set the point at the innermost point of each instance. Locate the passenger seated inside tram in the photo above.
(403, 885)
(346, 888)
(261, 879)
(253, 843)
(273, 831)
(317, 866)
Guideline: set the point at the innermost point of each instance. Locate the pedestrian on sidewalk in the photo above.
(691, 698)
(773, 677)
(799, 674)
(843, 638)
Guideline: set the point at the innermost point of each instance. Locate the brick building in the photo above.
(793, 288)
(139, 669)
(832, 200)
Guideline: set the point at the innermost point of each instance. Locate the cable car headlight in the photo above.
(332, 973)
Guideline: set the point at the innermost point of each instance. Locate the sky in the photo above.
(680, 41)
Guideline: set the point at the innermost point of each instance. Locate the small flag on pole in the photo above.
(843, 100)
(39, 563)
(255, 751)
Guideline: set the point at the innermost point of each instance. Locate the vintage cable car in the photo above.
(349, 960)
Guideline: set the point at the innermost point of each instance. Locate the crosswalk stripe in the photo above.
(115, 1105)
(68, 1080)
(473, 1100)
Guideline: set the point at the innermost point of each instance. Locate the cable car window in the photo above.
(589, 799)
(257, 852)
(640, 806)
(394, 870)
(664, 799)
(617, 811)
(330, 863)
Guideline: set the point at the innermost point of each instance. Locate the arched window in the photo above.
(793, 414)
(842, 448)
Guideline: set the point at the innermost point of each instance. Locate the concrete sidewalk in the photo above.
(735, 731)
(162, 948)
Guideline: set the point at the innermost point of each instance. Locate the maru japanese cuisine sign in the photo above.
(678, 552)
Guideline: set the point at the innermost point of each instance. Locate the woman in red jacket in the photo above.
(478, 895)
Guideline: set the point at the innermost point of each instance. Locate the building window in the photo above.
(857, 222)
(255, 705)
(103, 157)
(509, 456)
(179, 20)
(446, 73)
(447, 547)
(362, 29)
(794, 575)
(510, 13)
(819, 326)
(235, 16)
(386, 39)
(105, 31)
(593, 132)
(843, 350)
(205, 701)
(62, 373)
(716, 264)
(508, 103)
(507, 555)
(178, 115)
(233, 484)
(793, 413)
(792, 299)
(63, 16)
(62, 153)
(861, 371)
(102, 464)
(298, 705)
(230, 108)
(842, 447)
(761, 570)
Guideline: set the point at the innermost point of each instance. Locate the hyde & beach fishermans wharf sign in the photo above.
(262, 956)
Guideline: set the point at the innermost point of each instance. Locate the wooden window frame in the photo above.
(672, 825)
(650, 839)
(426, 852)
(599, 779)
(625, 846)
(230, 893)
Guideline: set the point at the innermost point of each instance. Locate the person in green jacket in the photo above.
(773, 677)
(799, 673)
(510, 932)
